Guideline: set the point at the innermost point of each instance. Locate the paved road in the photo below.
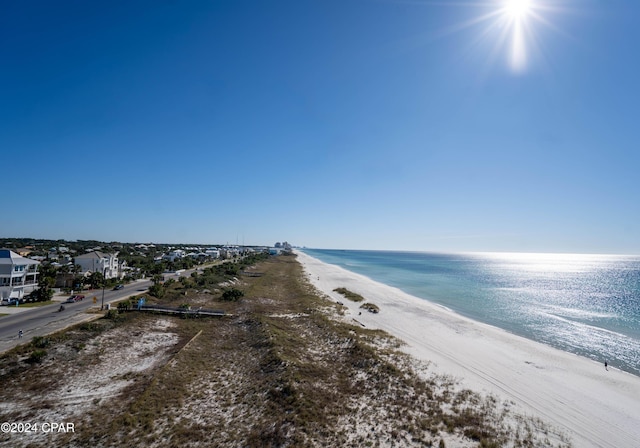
(40, 321)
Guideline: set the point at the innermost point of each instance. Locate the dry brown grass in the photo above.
(280, 370)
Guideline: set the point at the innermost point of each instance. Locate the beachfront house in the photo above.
(98, 261)
(18, 275)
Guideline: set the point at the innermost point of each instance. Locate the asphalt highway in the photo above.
(43, 320)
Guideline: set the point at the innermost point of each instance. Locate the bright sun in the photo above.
(513, 25)
(517, 9)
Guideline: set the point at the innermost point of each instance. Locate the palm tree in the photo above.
(156, 279)
(96, 279)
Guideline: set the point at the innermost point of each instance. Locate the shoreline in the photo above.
(594, 406)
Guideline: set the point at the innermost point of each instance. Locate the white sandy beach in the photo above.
(593, 406)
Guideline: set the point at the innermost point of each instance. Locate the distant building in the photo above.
(24, 251)
(18, 275)
(197, 255)
(105, 263)
(229, 252)
(213, 253)
(175, 254)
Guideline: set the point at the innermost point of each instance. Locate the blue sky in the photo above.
(333, 124)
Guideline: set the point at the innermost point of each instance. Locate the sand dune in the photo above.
(593, 406)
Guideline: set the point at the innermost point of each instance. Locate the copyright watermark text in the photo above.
(44, 427)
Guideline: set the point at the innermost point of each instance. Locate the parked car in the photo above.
(118, 287)
(13, 301)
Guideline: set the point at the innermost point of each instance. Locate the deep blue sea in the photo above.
(584, 304)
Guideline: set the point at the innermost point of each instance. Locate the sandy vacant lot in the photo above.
(77, 376)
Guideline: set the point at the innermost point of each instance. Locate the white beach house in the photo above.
(102, 262)
(18, 275)
(175, 254)
(213, 253)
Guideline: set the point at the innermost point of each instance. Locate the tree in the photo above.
(46, 282)
(157, 290)
(184, 281)
(157, 279)
(47, 270)
(96, 280)
(45, 291)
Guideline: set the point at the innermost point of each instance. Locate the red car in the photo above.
(75, 298)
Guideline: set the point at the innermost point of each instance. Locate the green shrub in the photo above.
(112, 314)
(124, 305)
(157, 290)
(90, 326)
(349, 295)
(40, 342)
(36, 356)
(232, 295)
(371, 307)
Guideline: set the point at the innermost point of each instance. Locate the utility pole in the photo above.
(104, 281)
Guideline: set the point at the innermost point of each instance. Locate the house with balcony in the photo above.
(102, 262)
(18, 275)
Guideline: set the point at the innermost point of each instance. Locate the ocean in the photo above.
(584, 304)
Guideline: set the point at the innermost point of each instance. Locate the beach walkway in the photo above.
(176, 311)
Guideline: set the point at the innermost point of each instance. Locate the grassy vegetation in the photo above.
(37, 304)
(278, 371)
(371, 307)
(214, 279)
(349, 295)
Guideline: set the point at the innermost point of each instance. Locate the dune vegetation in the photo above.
(281, 368)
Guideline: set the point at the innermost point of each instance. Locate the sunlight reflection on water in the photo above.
(585, 304)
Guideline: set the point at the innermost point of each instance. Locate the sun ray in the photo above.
(512, 27)
(518, 9)
(488, 17)
(518, 14)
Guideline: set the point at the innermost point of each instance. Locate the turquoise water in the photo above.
(584, 304)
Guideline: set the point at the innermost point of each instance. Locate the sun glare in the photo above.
(513, 28)
(517, 9)
(517, 15)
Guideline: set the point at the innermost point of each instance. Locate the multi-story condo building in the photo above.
(18, 275)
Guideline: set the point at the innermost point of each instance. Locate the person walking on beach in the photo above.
(606, 366)
(19, 334)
